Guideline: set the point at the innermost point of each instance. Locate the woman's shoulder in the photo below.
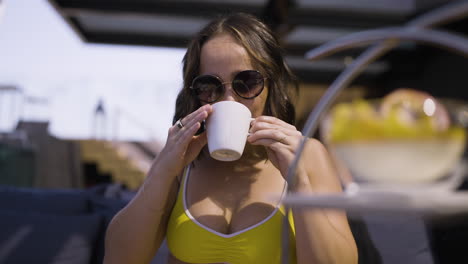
(316, 146)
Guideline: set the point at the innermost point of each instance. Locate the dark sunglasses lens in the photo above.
(207, 88)
(248, 84)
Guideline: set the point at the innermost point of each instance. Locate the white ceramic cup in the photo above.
(227, 128)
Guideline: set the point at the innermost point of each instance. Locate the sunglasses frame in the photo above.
(223, 85)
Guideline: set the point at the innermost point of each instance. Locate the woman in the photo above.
(222, 212)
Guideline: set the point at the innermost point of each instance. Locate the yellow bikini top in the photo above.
(192, 242)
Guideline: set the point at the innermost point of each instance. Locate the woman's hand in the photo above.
(280, 139)
(182, 146)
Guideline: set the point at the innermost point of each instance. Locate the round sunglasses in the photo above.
(246, 84)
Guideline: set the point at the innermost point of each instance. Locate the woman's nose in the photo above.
(229, 94)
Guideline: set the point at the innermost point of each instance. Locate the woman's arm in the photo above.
(136, 232)
(322, 235)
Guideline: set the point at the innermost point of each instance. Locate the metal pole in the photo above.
(442, 15)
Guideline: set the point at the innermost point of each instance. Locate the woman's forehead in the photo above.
(223, 54)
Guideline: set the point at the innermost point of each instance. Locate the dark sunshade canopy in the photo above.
(300, 25)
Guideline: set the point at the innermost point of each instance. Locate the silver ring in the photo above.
(179, 124)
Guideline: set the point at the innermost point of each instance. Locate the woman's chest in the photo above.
(216, 236)
(233, 216)
(233, 205)
(227, 221)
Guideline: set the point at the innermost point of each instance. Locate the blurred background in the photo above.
(87, 87)
(110, 70)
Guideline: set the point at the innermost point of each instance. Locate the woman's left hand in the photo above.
(317, 231)
(280, 139)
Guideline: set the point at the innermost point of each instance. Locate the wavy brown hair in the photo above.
(265, 53)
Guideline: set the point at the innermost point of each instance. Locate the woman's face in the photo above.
(222, 56)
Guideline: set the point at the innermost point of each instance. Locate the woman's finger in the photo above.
(289, 130)
(281, 136)
(187, 130)
(191, 118)
(196, 116)
(279, 149)
(186, 134)
(187, 122)
(267, 142)
(274, 120)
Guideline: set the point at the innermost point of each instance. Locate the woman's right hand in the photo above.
(182, 145)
